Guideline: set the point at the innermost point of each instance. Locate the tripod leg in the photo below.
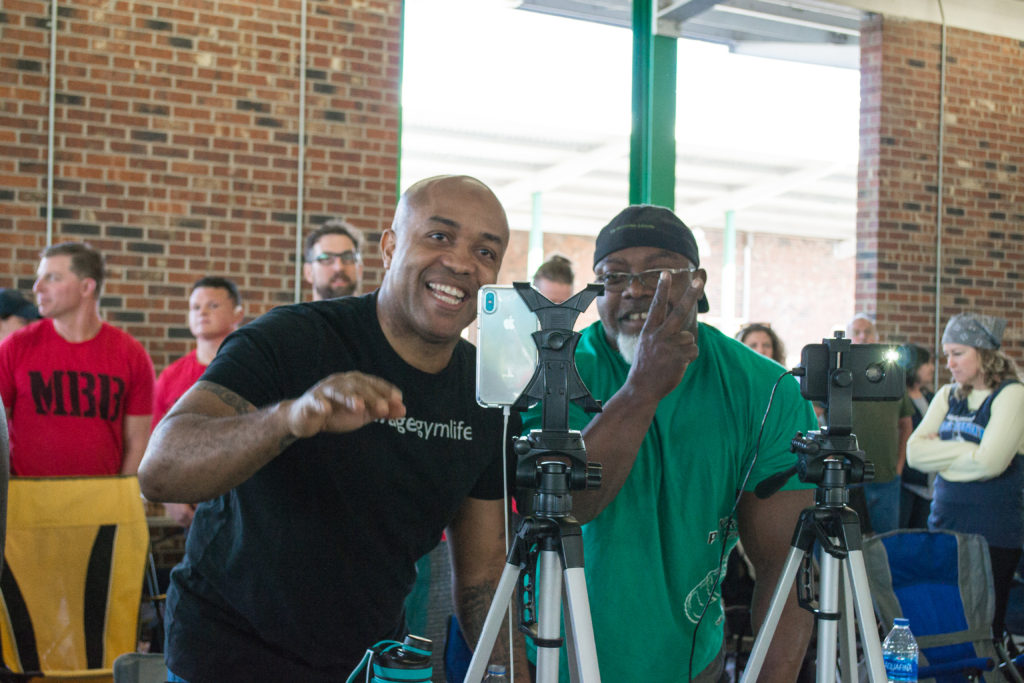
(828, 601)
(580, 625)
(570, 644)
(847, 630)
(771, 620)
(866, 617)
(549, 599)
(492, 624)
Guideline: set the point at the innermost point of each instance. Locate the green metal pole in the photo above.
(663, 123)
(535, 253)
(652, 140)
(728, 312)
(639, 140)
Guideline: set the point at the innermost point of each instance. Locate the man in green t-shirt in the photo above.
(678, 441)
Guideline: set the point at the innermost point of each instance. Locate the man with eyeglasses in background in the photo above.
(333, 264)
(682, 408)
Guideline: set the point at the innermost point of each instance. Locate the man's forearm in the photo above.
(472, 605)
(789, 642)
(136, 436)
(613, 439)
(193, 457)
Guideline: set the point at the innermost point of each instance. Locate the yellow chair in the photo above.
(72, 577)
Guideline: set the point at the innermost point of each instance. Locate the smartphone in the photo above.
(874, 373)
(506, 355)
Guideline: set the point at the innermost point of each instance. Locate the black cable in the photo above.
(729, 523)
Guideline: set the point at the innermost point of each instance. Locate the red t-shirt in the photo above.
(175, 380)
(67, 401)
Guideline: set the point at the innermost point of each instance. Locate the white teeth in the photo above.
(642, 315)
(447, 293)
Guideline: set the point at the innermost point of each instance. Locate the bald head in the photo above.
(861, 329)
(427, 191)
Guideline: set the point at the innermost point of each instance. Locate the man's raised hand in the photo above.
(668, 343)
(343, 402)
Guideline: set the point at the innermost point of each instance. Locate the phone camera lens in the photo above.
(874, 373)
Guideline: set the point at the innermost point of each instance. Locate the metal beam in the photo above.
(557, 175)
(681, 10)
(752, 194)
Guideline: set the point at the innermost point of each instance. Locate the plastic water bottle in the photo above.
(496, 674)
(900, 653)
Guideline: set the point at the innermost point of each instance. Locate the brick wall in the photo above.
(982, 214)
(177, 141)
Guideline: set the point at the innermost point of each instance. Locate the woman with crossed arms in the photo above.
(973, 437)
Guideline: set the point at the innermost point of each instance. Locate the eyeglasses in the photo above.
(347, 258)
(648, 279)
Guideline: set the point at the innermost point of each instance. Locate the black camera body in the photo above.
(873, 370)
(838, 372)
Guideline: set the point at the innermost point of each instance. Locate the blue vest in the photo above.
(994, 507)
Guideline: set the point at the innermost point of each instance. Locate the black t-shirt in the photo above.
(296, 572)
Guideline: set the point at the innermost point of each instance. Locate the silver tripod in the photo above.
(557, 535)
(552, 461)
(836, 528)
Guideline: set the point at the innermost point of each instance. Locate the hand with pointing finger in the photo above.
(343, 402)
(668, 341)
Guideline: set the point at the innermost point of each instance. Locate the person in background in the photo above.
(331, 442)
(973, 436)
(677, 436)
(762, 338)
(333, 263)
(78, 391)
(15, 312)
(214, 312)
(554, 278)
(916, 492)
(882, 429)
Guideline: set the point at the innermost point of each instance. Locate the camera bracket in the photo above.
(555, 382)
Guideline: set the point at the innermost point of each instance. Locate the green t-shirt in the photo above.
(652, 556)
(876, 425)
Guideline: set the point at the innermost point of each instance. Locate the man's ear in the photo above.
(307, 272)
(388, 241)
(88, 286)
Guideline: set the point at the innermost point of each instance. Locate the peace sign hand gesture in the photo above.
(668, 341)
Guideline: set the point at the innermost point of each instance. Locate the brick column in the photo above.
(982, 221)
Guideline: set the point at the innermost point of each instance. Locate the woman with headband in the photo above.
(973, 437)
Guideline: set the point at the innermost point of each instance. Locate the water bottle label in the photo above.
(900, 668)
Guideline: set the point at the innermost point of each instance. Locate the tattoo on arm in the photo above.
(476, 601)
(228, 397)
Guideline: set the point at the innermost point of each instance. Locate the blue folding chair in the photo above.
(942, 582)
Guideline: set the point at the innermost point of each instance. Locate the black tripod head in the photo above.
(553, 459)
(838, 372)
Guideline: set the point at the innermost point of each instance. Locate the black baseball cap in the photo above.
(646, 225)
(13, 303)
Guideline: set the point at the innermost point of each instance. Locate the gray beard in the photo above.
(627, 344)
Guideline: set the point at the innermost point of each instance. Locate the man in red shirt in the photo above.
(214, 312)
(78, 392)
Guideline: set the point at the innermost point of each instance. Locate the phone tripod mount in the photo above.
(548, 545)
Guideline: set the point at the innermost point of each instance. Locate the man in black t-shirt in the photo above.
(332, 442)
